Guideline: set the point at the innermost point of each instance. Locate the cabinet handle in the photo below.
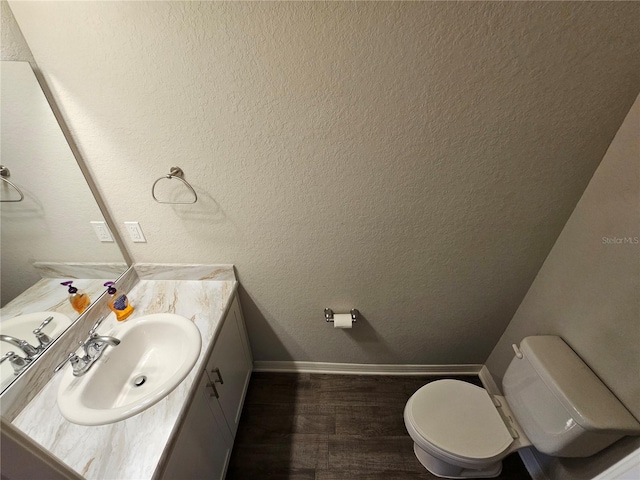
(215, 390)
(217, 371)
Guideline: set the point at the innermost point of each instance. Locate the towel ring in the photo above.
(4, 174)
(175, 172)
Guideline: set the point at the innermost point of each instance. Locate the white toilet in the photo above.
(552, 401)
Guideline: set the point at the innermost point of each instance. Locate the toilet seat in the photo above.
(457, 420)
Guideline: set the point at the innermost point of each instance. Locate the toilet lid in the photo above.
(459, 418)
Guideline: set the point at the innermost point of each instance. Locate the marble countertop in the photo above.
(131, 448)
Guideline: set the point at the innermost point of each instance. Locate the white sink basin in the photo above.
(22, 327)
(156, 351)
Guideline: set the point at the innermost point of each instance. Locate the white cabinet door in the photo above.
(204, 444)
(230, 365)
(202, 448)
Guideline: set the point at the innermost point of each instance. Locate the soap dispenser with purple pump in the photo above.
(119, 303)
(77, 298)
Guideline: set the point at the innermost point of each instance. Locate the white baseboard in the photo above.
(364, 369)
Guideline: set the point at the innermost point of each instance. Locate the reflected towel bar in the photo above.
(4, 176)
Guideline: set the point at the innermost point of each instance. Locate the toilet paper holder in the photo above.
(328, 314)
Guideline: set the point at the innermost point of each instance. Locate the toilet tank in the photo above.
(561, 405)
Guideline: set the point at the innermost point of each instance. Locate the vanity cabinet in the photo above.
(204, 443)
(202, 448)
(229, 367)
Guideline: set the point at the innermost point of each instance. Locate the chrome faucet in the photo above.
(94, 346)
(29, 350)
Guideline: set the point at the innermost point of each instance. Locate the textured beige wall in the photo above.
(588, 290)
(414, 160)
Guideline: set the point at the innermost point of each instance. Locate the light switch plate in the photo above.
(102, 231)
(135, 232)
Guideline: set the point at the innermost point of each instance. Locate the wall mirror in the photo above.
(46, 211)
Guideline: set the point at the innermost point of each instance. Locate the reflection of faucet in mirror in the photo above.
(31, 352)
(33, 265)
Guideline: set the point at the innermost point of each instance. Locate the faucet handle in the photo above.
(73, 358)
(95, 326)
(42, 325)
(7, 356)
(42, 337)
(17, 362)
(85, 346)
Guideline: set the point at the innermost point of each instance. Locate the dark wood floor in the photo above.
(332, 427)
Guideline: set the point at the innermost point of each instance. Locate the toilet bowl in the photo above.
(552, 401)
(458, 430)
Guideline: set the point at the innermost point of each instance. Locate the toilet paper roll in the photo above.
(342, 320)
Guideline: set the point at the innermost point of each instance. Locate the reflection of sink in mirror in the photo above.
(22, 327)
(156, 352)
